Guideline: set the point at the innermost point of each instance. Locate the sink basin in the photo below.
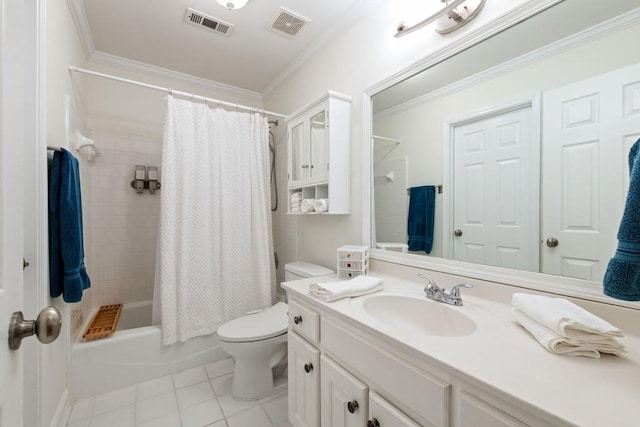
(419, 315)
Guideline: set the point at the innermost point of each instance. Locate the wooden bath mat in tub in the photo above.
(104, 322)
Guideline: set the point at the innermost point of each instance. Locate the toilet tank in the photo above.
(300, 270)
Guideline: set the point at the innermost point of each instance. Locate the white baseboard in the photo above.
(61, 417)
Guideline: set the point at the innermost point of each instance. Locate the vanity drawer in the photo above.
(304, 321)
(421, 395)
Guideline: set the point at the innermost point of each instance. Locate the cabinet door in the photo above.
(344, 398)
(298, 163)
(384, 414)
(318, 145)
(304, 383)
(475, 412)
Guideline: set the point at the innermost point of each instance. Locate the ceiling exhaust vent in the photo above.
(214, 24)
(287, 23)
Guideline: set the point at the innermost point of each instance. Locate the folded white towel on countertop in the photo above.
(550, 340)
(331, 291)
(563, 317)
(562, 345)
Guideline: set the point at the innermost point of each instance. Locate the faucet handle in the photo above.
(455, 291)
(431, 284)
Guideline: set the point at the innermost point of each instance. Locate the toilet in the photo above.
(258, 343)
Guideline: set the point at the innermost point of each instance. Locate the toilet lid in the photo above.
(265, 324)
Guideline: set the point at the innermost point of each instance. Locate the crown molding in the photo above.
(79, 15)
(349, 17)
(109, 60)
(573, 41)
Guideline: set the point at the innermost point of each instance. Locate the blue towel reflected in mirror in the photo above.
(422, 205)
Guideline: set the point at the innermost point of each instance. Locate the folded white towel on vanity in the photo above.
(331, 291)
(307, 205)
(565, 328)
(563, 317)
(321, 205)
(552, 341)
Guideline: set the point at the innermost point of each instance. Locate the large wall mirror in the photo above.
(527, 133)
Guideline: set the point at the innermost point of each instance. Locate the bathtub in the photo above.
(134, 353)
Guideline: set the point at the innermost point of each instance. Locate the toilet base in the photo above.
(255, 363)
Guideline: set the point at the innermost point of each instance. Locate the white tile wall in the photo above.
(120, 225)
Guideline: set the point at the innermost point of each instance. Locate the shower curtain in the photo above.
(215, 247)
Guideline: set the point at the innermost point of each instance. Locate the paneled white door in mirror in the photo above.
(573, 172)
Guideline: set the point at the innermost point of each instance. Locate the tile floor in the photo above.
(195, 397)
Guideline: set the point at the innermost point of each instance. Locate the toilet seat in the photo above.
(266, 324)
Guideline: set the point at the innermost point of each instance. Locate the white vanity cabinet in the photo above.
(323, 392)
(304, 382)
(318, 148)
(342, 375)
(344, 398)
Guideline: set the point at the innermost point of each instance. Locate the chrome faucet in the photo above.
(434, 292)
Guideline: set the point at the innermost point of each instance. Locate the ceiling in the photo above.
(155, 32)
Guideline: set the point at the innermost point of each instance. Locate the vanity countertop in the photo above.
(500, 354)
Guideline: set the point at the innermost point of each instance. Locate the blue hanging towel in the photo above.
(67, 273)
(622, 278)
(422, 205)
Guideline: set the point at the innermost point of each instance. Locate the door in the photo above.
(495, 191)
(589, 128)
(304, 382)
(344, 398)
(11, 202)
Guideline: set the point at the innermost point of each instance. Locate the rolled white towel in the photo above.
(563, 317)
(562, 345)
(307, 205)
(331, 291)
(321, 205)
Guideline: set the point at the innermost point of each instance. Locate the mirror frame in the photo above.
(559, 285)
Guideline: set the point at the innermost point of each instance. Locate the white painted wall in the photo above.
(62, 48)
(421, 126)
(352, 61)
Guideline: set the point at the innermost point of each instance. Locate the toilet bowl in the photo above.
(258, 343)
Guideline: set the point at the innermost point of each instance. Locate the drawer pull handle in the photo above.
(352, 406)
(308, 367)
(373, 423)
(297, 320)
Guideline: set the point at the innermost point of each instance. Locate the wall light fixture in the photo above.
(452, 16)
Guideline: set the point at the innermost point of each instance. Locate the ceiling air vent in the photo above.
(287, 23)
(209, 22)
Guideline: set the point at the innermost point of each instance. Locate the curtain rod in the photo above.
(174, 92)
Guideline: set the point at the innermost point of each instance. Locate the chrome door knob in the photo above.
(552, 242)
(457, 233)
(46, 327)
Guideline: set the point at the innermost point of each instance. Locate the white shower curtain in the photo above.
(215, 247)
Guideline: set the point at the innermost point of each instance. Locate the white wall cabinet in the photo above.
(358, 380)
(318, 161)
